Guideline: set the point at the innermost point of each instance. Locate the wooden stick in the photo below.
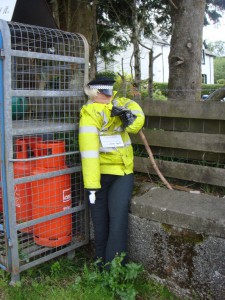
(173, 4)
(152, 160)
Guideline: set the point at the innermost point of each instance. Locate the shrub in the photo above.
(117, 278)
(221, 81)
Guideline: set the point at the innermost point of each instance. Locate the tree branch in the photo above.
(171, 2)
(152, 160)
(149, 50)
(154, 58)
(143, 45)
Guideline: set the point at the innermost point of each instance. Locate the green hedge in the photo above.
(209, 88)
(206, 88)
(160, 89)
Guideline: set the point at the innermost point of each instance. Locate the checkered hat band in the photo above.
(101, 87)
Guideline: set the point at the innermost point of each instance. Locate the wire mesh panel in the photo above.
(43, 79)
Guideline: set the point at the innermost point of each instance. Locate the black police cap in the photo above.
(102, 83)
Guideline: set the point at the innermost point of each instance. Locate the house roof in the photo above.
(162, 41)
(209, 53)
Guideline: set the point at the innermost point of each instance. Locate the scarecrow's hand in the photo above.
(125, 115)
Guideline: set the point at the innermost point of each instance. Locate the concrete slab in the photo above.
(199, 212)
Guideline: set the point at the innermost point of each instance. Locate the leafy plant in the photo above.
(221, 81)
(55, 268)
(118, 278)
(81, 279)
(4, 276)
(109, 74)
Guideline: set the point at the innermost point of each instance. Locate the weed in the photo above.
(115, 277)
(55, 269)
(4, 276)
(81, 279)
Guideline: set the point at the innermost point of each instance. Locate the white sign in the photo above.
(7, 9)
(111, 141)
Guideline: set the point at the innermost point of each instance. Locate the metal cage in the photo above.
(43, 212)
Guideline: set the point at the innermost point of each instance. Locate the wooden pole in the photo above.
(152, 160)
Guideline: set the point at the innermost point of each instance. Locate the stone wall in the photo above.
(179, 237)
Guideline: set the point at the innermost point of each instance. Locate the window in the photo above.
(204, 78)
(203, 57)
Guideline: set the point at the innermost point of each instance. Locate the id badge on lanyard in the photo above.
(111, 140)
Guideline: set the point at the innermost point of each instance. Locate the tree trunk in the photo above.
(79, 16)
(135, 40)
(123, 78)
(94, 40)
(186, 49)
(150, 75)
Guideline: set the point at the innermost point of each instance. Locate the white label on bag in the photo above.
(67, 195)
(111, 141)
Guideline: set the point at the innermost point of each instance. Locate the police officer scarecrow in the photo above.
(107, 163)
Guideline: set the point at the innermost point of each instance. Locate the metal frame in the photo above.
(19, 48)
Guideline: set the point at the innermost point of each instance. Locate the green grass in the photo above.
(80, 279)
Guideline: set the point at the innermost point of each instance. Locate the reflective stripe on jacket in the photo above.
(95, 121)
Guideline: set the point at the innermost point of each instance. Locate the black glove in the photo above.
(125, 115)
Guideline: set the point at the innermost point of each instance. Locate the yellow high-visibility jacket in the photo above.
(98, 158)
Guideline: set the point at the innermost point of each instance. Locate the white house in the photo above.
(161, 49)
(207, 66)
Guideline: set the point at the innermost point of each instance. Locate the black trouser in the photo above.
(110, 215)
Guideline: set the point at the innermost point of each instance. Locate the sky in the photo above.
(213, 33)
